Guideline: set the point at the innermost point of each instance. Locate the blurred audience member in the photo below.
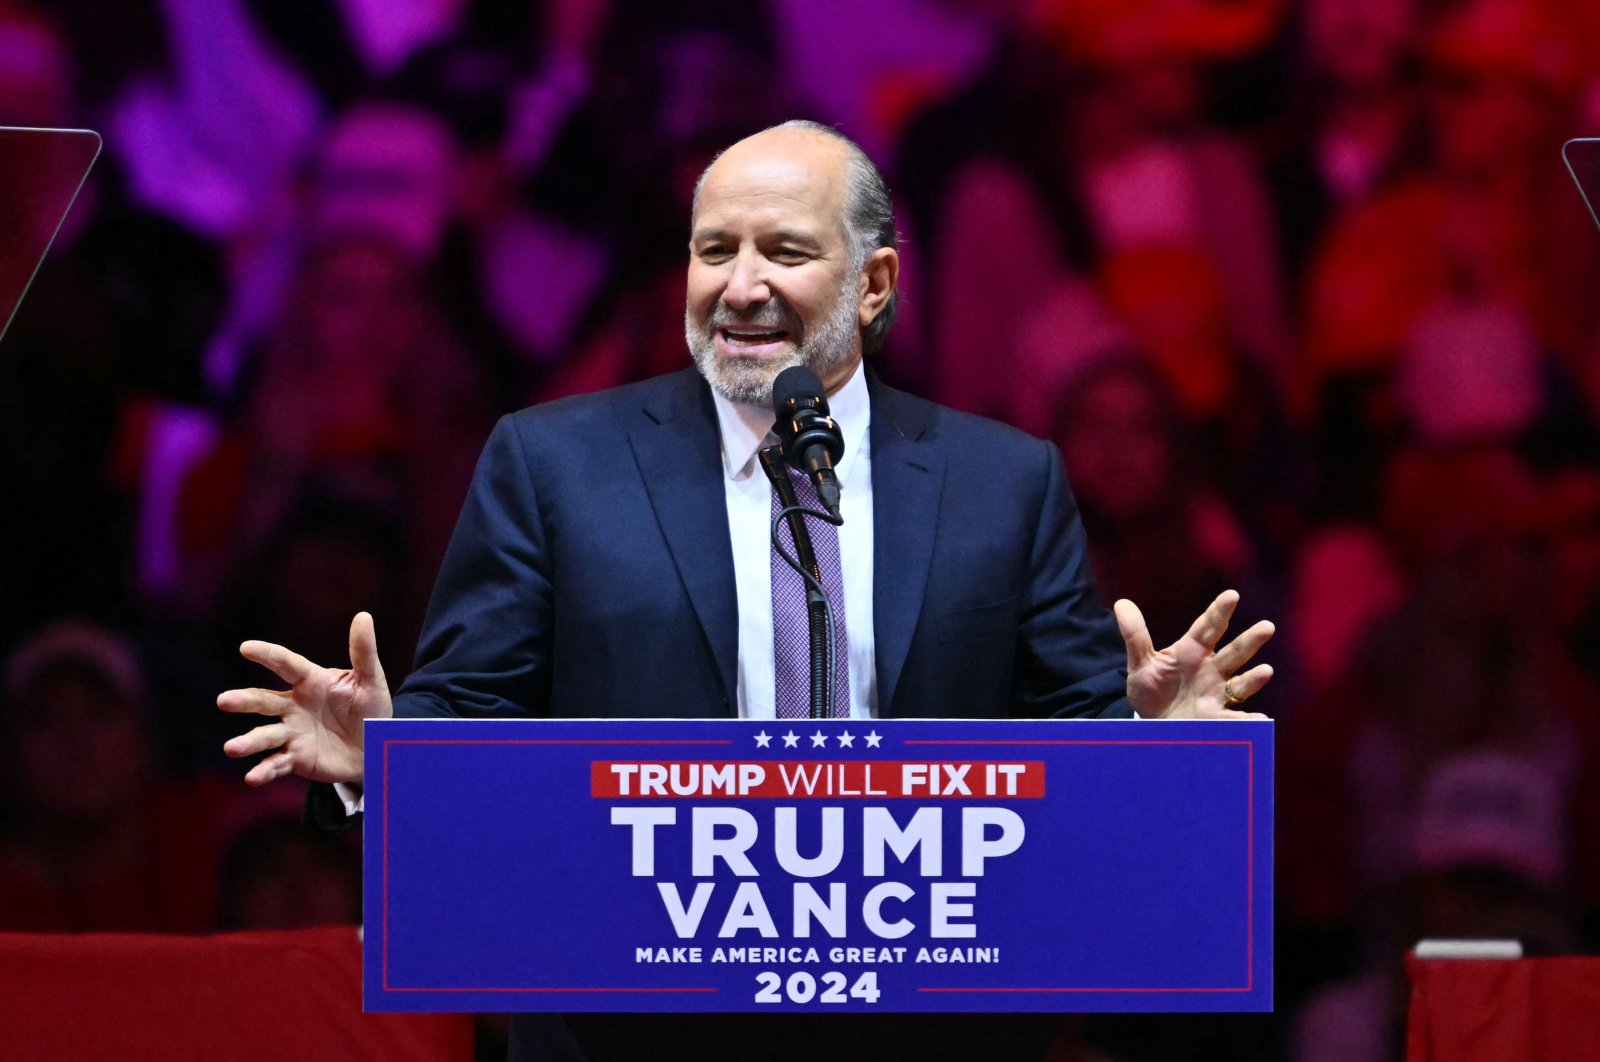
(1353, 122)
(994, 259)
(359, 387)
(1065, 167)
(92, 838)
(1482, 230)
(387, 168)
(1154, 172)
(1465, 664)
(988, 181)
(1156, 534)
(1487, 860)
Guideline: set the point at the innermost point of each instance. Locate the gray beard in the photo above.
(749, 382)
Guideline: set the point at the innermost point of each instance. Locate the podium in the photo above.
(842, 866)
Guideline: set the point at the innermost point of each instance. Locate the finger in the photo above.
(1211, 624)
(261, 702)
(1130, 621)
(285, 663)
(270, 769)
(261, 739)
(1237, 653)
(364, 649)
(1247, 685)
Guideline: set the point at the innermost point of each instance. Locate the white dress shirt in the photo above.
(749, 498)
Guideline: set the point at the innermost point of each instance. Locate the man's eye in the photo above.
(715, 251)
(789, 254)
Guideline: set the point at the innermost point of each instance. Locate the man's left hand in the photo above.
(1192, 678)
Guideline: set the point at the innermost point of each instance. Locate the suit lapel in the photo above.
(679, 452)
(907, 478)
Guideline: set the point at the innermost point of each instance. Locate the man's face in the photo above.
(772, 281)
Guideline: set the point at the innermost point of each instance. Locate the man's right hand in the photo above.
(318, 730)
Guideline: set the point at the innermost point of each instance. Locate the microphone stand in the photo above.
(819, 609)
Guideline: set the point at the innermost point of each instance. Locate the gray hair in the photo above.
(868, 218)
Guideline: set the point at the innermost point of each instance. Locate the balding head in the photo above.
(867, 211)
(791, 148)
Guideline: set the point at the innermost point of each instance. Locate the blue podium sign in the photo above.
(840, 866)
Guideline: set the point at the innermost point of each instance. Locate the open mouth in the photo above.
(752, 341)
(746, 335)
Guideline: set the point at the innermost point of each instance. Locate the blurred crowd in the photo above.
(1302, 291)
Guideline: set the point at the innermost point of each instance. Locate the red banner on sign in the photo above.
(829, 779)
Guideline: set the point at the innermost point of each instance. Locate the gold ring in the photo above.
(1228, 695)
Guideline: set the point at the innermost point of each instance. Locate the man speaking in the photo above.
(613, 558)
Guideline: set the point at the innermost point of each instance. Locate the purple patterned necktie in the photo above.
(791, 630)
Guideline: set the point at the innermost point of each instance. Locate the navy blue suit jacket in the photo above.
(591, 572)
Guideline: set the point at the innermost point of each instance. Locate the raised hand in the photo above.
(318, 730)
(1192, 678)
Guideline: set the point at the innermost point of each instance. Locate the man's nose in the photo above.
(747, 284)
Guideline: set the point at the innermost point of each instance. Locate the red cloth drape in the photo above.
(1486, 1011)
(265, 996)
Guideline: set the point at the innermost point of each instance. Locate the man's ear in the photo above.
(878, 279)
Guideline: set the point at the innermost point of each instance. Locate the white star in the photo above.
(790, 740)
(873, 739)
(846, 740)
(819, 740)
(763, 739)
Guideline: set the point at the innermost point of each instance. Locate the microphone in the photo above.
(811, 440)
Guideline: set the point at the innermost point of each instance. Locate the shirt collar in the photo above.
(745, 428)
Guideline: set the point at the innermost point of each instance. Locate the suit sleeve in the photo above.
(484, 649)
(1070, 658)
(485, 644)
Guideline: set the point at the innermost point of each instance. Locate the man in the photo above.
(612, 555)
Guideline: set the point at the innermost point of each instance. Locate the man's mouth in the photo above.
(751, 341)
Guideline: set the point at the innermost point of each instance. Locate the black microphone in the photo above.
(811, 440)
